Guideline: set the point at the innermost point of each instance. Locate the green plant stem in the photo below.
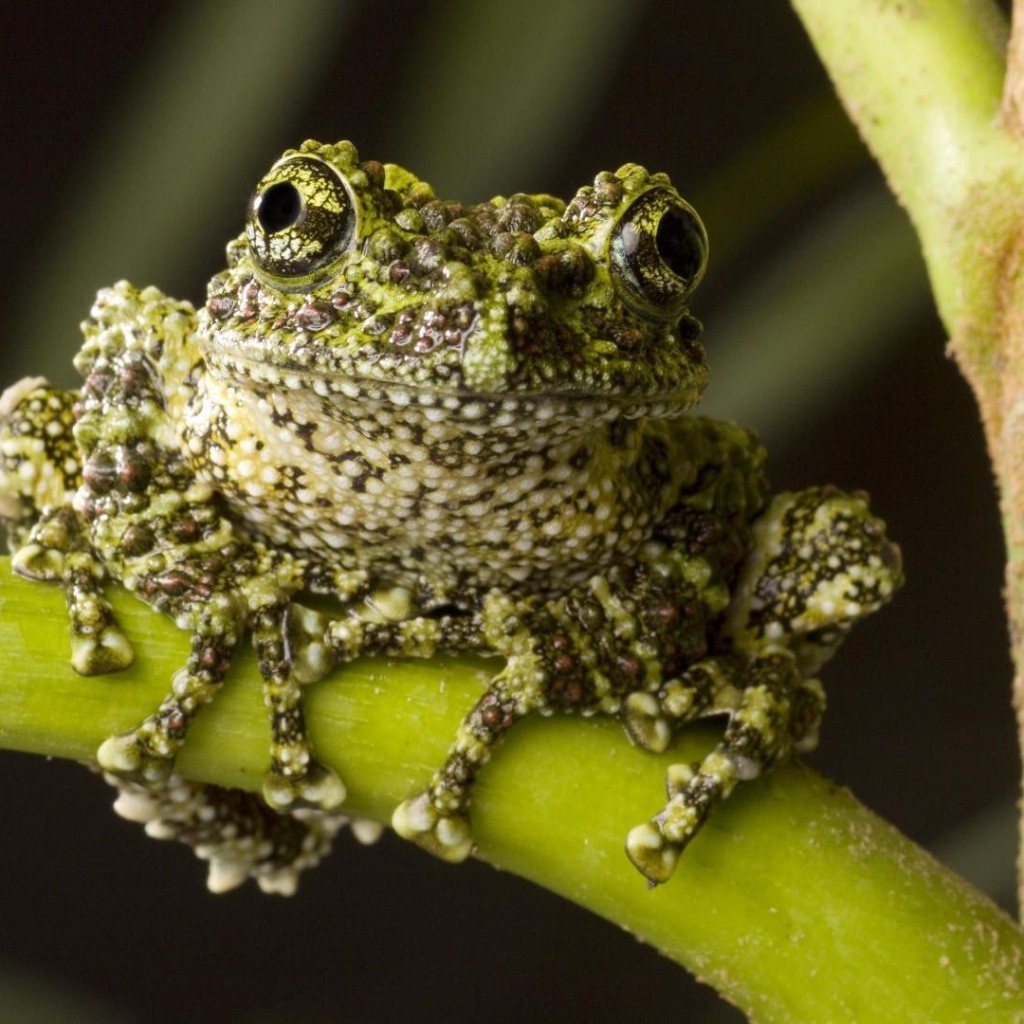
(928, 86)
(795, 902)
(923, 82)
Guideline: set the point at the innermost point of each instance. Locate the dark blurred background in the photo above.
(133, 134)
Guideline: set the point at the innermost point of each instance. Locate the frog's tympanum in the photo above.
(468, 425)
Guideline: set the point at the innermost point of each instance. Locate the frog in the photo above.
(468, 428)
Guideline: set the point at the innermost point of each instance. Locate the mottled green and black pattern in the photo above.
(468, 425)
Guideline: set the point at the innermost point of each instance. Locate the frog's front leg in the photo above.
(438, 819)
(164, 532)
(240, 836)
(291, 652)
(146, 753)
(289, 645)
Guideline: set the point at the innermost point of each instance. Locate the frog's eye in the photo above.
(301, 219)
(659, 250)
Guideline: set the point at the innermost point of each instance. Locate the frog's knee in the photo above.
(819, 562)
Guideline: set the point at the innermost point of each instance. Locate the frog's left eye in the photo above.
(301, 219)
(659, 250)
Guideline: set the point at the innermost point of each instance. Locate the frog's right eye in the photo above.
(659, 249)
(301, 220)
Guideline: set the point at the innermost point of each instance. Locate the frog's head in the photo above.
(354, 280)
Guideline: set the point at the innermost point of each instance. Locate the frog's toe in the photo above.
(128, 757)
(96, 654)
(651, 853)
(678, 778)
(34, 561)
(647, 727)
(317, 786)
(447, 836)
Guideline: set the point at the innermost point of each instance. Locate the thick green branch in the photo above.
(795, 902)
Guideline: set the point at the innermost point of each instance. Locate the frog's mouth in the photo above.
(362, 384)
(482, 380)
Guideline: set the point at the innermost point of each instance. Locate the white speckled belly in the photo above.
(410, 495)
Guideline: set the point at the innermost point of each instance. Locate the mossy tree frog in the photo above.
(469, 425)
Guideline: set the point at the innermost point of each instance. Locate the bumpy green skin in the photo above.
(466, 424)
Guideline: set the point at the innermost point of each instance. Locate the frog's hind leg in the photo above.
(146, 753)
(438, 818)
(772, 710)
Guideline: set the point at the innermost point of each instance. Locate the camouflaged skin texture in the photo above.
(469, 426)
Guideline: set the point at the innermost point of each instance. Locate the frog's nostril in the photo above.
(279, 207)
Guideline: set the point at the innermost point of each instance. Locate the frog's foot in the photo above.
(234, 832)
(314, 786)
(774, 709)
(447, 836)
(655, 846)
(146, 754)
(57, 551)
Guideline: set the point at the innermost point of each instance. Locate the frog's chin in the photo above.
(491, 408)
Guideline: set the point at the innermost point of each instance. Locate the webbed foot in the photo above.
(447, 836)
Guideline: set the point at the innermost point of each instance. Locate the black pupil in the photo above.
(679, 244)
(280, 207)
